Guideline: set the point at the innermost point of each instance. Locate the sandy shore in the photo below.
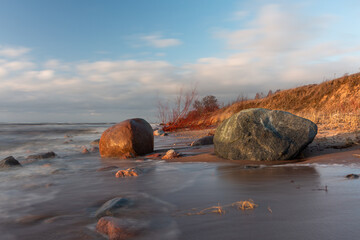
(329, 147)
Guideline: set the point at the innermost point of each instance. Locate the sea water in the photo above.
(56, 198)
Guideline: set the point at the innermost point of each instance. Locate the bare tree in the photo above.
(180, 108)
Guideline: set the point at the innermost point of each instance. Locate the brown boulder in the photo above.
(118, 229)
(129, 138)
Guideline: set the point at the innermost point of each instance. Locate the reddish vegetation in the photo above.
(334, 104)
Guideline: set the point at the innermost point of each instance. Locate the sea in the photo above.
(57, 198)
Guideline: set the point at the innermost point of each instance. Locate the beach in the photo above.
(57, 198)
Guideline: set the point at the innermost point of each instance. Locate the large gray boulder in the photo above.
(130, 138)
(263, 135)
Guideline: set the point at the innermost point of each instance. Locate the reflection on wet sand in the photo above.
(251, 173)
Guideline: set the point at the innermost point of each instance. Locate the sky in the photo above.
(107, 61)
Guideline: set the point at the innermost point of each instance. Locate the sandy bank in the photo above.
(329, 147)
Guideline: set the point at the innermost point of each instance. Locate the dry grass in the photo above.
(332, 104)
(341, 121)
(239, 205)
(244, 205)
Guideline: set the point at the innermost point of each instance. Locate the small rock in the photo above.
(119, 229)
(110, 207)
(352, 176)
(130, 172)
(251, 166)
(158, 132)
(9, 162)
(95, 142)
(208, 140)
(84, 150)
(171, 154)
(42, 155)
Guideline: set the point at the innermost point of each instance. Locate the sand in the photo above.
(328, 147)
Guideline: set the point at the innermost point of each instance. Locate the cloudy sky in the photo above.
(101, 61)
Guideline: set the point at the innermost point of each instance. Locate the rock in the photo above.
(263, 135)
(129, 138)
(352, 176)
(130, 172)
(95, 142)
(84, 150)
(41, 156)
(171, 154)
(9, 162)
(110, 207)
(158, 132)
(208, 140)
(119, 229)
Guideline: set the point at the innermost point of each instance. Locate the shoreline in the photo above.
(328, 147)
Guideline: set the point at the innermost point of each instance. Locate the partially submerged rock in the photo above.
(171, 154)
(9, 162)
(41, 156)
(130, 172)
(112, 206)
(352, 176)
(159, 132)
(263, 135)
(95, 142)
(119, 229)
(129, 138)
(208, 140)
(84, 150)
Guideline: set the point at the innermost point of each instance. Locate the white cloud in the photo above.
(17, 65)
(158, 41)
(279, 48)
(13, 51)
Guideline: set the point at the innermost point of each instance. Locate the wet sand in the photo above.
(307, 198)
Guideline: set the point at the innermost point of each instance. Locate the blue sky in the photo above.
(96, 61)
